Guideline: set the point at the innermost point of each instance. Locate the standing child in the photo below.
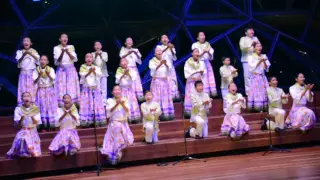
(233, 123)
(46, 99)
(125, 77)
(27, 141)
(258, 65)
(27, 59)
(206, 55)
(227, 72)
(100, 60)
(160, 87)
(151, 111)
(133, 56)
(201, 103)
(194, 70)
(67, 81)
(91, 105)
(118, 135)
(67, 140)
(301, 117)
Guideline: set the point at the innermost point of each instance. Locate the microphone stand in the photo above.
(186, 156)
(95, 135)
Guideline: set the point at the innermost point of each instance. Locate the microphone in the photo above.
(302, 52)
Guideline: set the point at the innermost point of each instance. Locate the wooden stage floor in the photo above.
(301, 163)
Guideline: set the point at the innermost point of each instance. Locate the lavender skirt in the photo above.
(257, 96)
(301, 117)
(209, 80)
(117, 137)
(187, 97)
(66, 142)
(234, 125)
(137, 86)
(47, 102)
(26, 84)
(135, 115)
(91, 107)
(25, 144)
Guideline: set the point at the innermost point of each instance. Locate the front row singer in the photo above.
(201, 103)
(118, 135)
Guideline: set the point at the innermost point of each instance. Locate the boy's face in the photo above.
(226, 61)
(26, 43)
(148, 96)
(129, 42)
(164, 39)
(97, 46)
(233, 88)
(124, 63)
(199, 87)
(66, 99)
(43, 61)
(89, 59)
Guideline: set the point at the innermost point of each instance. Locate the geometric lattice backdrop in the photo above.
(284, 28)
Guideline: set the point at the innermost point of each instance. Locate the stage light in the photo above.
(36, 0)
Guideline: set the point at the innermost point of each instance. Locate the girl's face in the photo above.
(201, 37)
(97, 46)
(148, 96)
(258, 48)
(43, 61)
(26, 98)
(300, 79)
(274, 82)
(226, 61)
(116, 91)
(158, 53)
(124, 63)
(67, 99)
(129, 42)
(199, 87)
(64, 39)
(233, 88)
(164, 39)
(26, 43)
(195, 54)
(89, 59)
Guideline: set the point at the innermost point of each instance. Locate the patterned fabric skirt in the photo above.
(25, 144)
(135, 115)
(301, 117)
(137, 86)
(117, 137)
(160, 89)
(104, 88)
(209, 81)
(65, 142)
(174, 85)
(67, 82)
(91, 107)
(257, 97)
(47, 102)
(26, 84)
(190, 89)
(234, 125)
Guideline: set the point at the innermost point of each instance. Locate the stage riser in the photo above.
(143, 152)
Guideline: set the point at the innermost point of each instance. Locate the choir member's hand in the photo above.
(126, 71)
(201, 72)
(163, 62)
(96, 55)
(47, 72)
(118, 101)
(285, 96)
(152, 110)
(234, 71)
(122, 103)
(65, 112)
(130, 52)
(311, 86)
(206, 50)
(63, 50)
(241, 100)
(307, 87)
(206, 102)
(42, 73)
(170, 45)
(33, 120)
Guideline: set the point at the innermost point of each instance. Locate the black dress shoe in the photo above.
(277, 129)
(187, 134)
(264, 125)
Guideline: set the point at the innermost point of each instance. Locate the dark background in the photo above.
(111, 21)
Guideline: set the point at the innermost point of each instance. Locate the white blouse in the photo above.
(101, 62)
(296, 91)
(274, 98)
(167, 55)
(132, 58)
(227, 75)
(246, 47)
(201, 47)
(44, 81)
(253, 62)
(191, 67)
(198, 108)
(28, 62)
(162, 71)
(235, 108)
(93, 80)
(67, 122)
(126, 80)
(146, 111)
(119, 114)
(66, 60)
(27, 121)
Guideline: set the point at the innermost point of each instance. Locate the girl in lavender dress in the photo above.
(125, 77)
(301, 117)
(258, 64)
(233, 123)
(133, 56)
(67, 140)
(27, 59)
(27, 141)
(46, 99)
(91, 103)
(67, 81)
(118, 135)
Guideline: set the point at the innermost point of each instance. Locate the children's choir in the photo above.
(47, 100)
